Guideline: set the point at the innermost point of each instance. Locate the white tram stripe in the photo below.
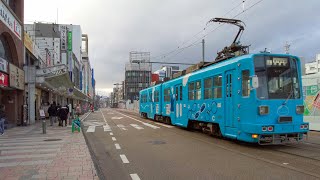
(91, 129)
(124, 158)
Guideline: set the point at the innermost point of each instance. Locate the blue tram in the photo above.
(254, 98)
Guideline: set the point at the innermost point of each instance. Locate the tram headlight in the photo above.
(300, 109)
(263, 110)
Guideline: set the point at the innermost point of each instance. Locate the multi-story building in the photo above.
(313, 67)
(166, 72)
(61, 76)
(12, 60)
(137, 74)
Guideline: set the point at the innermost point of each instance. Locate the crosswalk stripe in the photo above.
(91, 129)
(120, 125)
(136, 126)
(150, 125)
(117, 146)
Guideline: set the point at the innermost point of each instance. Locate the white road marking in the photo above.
(120, 125)
(131, 117)
(136, 126)
(91, 129)
(93, 123)
(116, 117)
(114, 139)
(124, 129)
(110, 113)
(111, 134)
(103, 116)
(285, 163)
(165, 125)
(124, 158)
(150, 125)
(117, 146)
(85, 117)
(134, 177)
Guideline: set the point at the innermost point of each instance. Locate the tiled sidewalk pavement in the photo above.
(26, 153)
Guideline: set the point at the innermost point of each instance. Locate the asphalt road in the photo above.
(125, 146)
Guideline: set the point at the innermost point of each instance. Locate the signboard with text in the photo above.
(9, 20)
(63, 37)
(16, 77)
(3, 80)
(69, 40)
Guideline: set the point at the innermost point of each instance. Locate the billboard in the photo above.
(16, 77)
(63, 37)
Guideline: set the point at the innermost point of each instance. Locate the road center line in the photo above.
(135, 177)
(111, 134)
(114, 139)
(117, 146)
(131, 117)
(124, 158)
(103, 116)
(164, 125)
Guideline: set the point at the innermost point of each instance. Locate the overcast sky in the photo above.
(116, 27)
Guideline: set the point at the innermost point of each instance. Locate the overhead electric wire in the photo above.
(162, 56)
(198, 40)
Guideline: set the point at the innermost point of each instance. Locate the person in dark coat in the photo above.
(63, 114)
(52, 111)
(2, 119)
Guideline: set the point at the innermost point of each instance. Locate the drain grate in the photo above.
(157, 142)
(52, 140)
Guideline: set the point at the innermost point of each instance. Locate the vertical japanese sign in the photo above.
(16, 77)
(9, 20)
(63, 37)
(69, 40)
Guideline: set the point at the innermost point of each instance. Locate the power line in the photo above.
(164, 55)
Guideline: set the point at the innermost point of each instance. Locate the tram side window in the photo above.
(180, 92)
(217, 86)
(208, 88)
(191, 91)
(167, 95)
(198, 90)
(176, 94)
(245, 83)
(156, 96)
(150, 97)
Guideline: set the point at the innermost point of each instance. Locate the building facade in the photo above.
(313, 67)
(137, 74)
(12, 60)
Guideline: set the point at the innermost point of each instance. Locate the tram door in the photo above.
(229, 111)
(178, 102)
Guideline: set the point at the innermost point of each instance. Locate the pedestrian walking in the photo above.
(63, 114)
(52, 111)
(78, 110)
(2, 119)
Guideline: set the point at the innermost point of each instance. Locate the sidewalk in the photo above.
(26, 153)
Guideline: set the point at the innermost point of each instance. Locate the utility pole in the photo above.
(287, 47)
(203, 50)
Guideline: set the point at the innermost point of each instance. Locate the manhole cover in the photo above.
(156, 142)
(52, 140)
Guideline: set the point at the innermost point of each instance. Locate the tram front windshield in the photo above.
(278, 77)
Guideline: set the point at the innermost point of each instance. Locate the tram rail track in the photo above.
(311, 161)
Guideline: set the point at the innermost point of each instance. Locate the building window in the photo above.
(5, 52)
(167, 95)
(245, 83)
